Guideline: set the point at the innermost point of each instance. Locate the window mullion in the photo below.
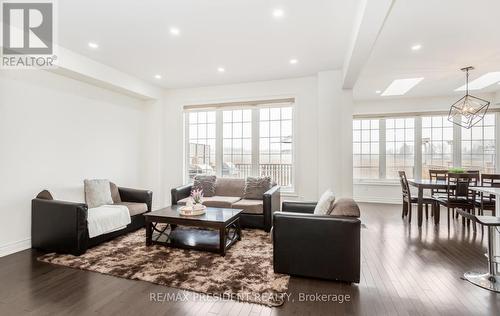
(457, 144)
(382, 150)
(186, 147)
(417, 170)
(255, 142)
(218, 143)
(497, 141)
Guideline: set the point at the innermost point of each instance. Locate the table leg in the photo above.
(149, 233)
(420, 205)
(437, 213)
(496, 238)
(222, 241)
(238, 228)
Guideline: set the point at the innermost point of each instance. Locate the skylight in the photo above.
(482, 82)
(401, 86)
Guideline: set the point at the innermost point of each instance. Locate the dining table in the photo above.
(426, 184)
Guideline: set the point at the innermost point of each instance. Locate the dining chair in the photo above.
(488, 202)
(408, 199)
(458, 194)
(435, 175)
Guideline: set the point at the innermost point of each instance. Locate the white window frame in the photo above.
(255, 139)
(456, 151)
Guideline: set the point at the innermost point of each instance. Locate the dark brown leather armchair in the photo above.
(320, 246)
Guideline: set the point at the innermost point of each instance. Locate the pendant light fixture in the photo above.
(469, 110)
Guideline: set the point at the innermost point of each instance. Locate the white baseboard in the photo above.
(377, 200)
(15, 246)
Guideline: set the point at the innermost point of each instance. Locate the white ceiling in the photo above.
(241, 36)
(453, 34)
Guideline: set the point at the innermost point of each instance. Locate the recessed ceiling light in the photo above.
(278, 13)
(93, 45)
(401, 86)
(293, 61)
(174, 31)
(416, 47)
(482, 82)
(157, 76)
(221, 69)
(378, 92)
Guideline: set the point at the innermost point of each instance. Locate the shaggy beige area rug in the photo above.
(245, 273)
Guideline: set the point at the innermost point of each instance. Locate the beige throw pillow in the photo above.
(345, 207)
(206, 184)
(325, 203)
(256, 187)
(97, 192)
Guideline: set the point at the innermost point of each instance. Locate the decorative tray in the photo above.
(189, 211)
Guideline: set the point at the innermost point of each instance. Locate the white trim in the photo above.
(383, 182)
(381, 200)
(14, 247)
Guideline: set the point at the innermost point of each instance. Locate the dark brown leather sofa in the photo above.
(318, 246)
(59, 226)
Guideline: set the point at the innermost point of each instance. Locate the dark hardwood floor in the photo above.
(405, 271)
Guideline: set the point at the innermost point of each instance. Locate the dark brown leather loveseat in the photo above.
(60, 226)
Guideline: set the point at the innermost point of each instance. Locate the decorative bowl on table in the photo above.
(193, 210)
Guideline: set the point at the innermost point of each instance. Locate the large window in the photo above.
(237, 143)
(383, 146)
(365, 148)
(275, 144)
(437, 144)
(478, 145)
(399, 146)
(241, 142)
(201, 147)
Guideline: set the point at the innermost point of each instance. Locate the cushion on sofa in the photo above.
(325, 203)
(134, 208)
(206, 184)
(255, 187)
(345, 207)
(229, 187)
(215, 201)
(250, 206)
(97, 192)
(115, 194)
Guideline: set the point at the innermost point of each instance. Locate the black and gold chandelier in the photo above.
(469, 110)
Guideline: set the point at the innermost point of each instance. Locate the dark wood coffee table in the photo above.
(215, 231)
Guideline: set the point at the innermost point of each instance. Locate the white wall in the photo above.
(55, 132)
(315, 139)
